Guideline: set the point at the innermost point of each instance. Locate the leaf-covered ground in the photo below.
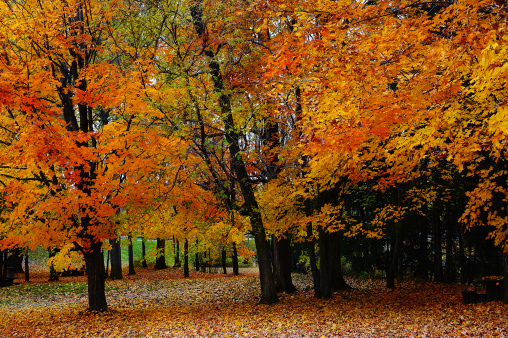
(163, 304)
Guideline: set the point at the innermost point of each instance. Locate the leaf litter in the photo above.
(164, 304)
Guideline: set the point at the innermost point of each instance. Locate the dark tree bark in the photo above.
(177, 253)
(186, 258)
(238, 165)
(17, 259)
(116, 259)
(448, 271)
(392, 270)
(196, 257)
(311, 251)
(338, 282)
(224, 257)
(422, 270)
(235, 260)
(27, 271)
(53, 274)
(282, 265)
(131, 257)
(505, 275)
(3, 267)
(160, 260)
(438, 251)
(94, 260)
(143, 254)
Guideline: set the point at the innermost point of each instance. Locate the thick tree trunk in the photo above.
(53, 275)
(116, 259)
(422, 270)
(94, 260)
(186, 258)
(131, 257)
(392, 270)
(160, 260)
(282, 265)
(17, 259)
(235, 260)
(143, 254)
(338, 282)
(224, 256)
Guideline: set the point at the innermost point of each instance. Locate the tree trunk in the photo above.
(107, 264)
(143, 254)
(438, 251)
(282, 265)
(505, 275)
(196, 257)
(53, 275)
(2, 265)
(422, 270)
(448, 272)
(160, 260)
(131, 257)
(186, 258)
(177, 254)
(338, 282)
(27, 272)
(224, 256)
(17, 260)
(94, 260)
(392, 270)
(116, 259)
(325, 267)
(238, 165)
(235, 260)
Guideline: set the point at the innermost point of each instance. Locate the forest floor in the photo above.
(164, 304)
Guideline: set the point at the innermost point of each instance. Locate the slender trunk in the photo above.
(177, 255)
(390, 276)
(224, 255)
(107, 264)
(143, 254)
(209, 260)
(131, 257)
(235, 260)
(505, 275)
(160, 260)
(116, 259)
(250, 206)
(186, 258)
(94, 260)
(196, 257)
(27, 272)
(311, 251)
(438, 251)
(2, 265)
(282, 265)
(448, 272)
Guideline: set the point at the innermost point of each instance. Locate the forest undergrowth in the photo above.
(164, 304)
